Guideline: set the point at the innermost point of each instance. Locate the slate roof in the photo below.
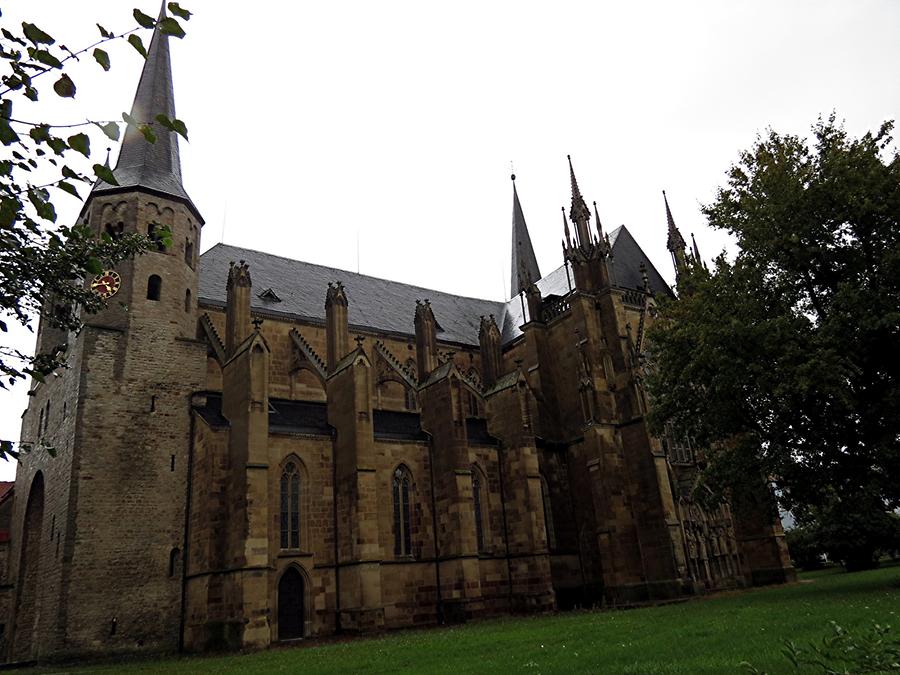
(373, 303)
(389, 306)
(311, 417)
(625, 271)
(396, 425)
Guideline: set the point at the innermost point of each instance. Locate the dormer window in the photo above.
(269, 296)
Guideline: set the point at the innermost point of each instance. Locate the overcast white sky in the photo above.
(313, 124)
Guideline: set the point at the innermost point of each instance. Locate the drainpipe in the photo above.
(434, 531)
(578, 529)
(334, 513)
(187, 521)
(500, 457)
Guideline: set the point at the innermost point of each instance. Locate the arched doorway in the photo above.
(27, 610)
(291, 604)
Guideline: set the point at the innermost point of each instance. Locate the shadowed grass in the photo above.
(706, 635)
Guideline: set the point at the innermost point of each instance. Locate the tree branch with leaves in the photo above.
(783, 362)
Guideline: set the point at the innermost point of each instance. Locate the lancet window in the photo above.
(401, 487)
(290, 506)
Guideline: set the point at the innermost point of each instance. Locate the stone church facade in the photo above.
(254, 449)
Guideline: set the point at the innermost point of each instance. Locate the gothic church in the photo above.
(254, 449)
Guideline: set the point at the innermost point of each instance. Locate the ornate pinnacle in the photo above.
(239, 275)
(335, 295)
(579, 212)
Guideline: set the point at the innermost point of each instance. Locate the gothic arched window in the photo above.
(290, 506)
(410, 398)
(154, 287)
(189, 252)
(478, 501)
(187, 300)
(401, 486)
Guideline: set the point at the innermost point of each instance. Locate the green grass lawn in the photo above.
(706, 635)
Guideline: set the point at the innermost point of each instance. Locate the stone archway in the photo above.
(291, 604)
(27, 601)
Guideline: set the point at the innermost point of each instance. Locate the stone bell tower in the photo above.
(111, 504)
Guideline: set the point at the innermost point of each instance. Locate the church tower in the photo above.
(99, 529)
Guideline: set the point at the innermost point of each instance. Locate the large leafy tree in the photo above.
(785, 362)
(43, 262)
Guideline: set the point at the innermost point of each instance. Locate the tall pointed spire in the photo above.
(155, 167)
(579, 212)
(524, 268)
(675, 241)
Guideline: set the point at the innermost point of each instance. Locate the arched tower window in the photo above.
(478, 502)
(290, 506)
(154, 287)
(115, 231)
(187, 300)
(548, 514)
(189, 252)
(153, 231)
(401, 486)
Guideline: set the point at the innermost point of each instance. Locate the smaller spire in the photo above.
(566, 228)
(600, 234)
(696, 250)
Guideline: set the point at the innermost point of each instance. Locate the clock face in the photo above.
(106, 284)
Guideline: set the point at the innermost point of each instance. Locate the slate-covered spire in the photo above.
(674, 241)
(524, 269)
(154, 167)
(579, 213)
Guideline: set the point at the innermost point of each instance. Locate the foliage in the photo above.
(782, 362)
(806, 551)
(874, 651)
(43, 263)
(857, 538)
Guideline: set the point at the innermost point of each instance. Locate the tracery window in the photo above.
(677, 446)
(401, 485)
(290, 506)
